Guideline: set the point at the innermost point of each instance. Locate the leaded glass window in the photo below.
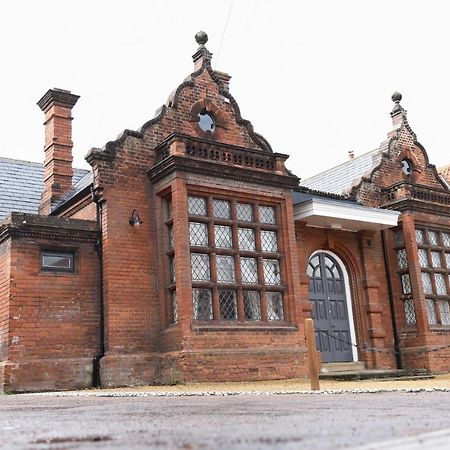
(398, 237)
(436, 259)
(249, 270)
(171, 238)
(271, 271)
(252, 305)
(172, 269)
(440, 284)
(435, 263)
(227, 303)
(267, 214)
(202, 304)
(269, 241)
(224, 236)
(423, 258)
(275, 306)
(200, 267)
(198, 234)
(406, 284)
(221, 209)
(244, 212)
(402, 259)
(197, 206)
(431, 312)
(225, 277)
(246, 237)
(225, 269)
(426, 282)
(419, 236)
(433, 238)
(410, 312)
(444, 311)
(174, 307)
(446, 239)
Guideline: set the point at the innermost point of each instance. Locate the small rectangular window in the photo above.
(57, 261)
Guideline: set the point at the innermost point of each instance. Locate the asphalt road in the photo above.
(316, 421)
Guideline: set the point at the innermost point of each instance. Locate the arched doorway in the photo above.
(332, 312)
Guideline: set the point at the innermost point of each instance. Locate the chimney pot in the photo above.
(351, 154)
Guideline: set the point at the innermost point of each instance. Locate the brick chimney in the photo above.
(57, 106)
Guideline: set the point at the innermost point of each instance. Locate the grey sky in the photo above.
(314, 77)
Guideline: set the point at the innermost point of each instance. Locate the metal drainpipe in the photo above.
(96, 382)
(391, 303)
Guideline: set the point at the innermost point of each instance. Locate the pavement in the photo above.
(281, 415)
(246, 421)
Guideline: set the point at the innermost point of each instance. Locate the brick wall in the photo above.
(4, 306)
(53, 316)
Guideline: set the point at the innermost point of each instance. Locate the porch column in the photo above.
(371, 265)
(305, 302)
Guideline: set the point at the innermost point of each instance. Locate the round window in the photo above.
(206, 122)
(406, 167)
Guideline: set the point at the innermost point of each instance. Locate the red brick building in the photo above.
(190, 252)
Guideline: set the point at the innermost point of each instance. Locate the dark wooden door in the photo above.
(327, 294)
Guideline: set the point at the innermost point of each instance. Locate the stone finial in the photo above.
(202, 56)
(396, 98)
(201, 38)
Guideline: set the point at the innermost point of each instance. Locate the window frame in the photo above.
(260, 286)
(432, 248)
(57, 253)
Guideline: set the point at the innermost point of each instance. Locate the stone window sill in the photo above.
(245, 327)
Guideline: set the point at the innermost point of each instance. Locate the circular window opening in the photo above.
(206, 122)
(406, 167)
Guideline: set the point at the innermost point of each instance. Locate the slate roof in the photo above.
(444, 172)
(339, 179)
(21, 185)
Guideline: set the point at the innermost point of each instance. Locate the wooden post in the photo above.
(313, 364)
